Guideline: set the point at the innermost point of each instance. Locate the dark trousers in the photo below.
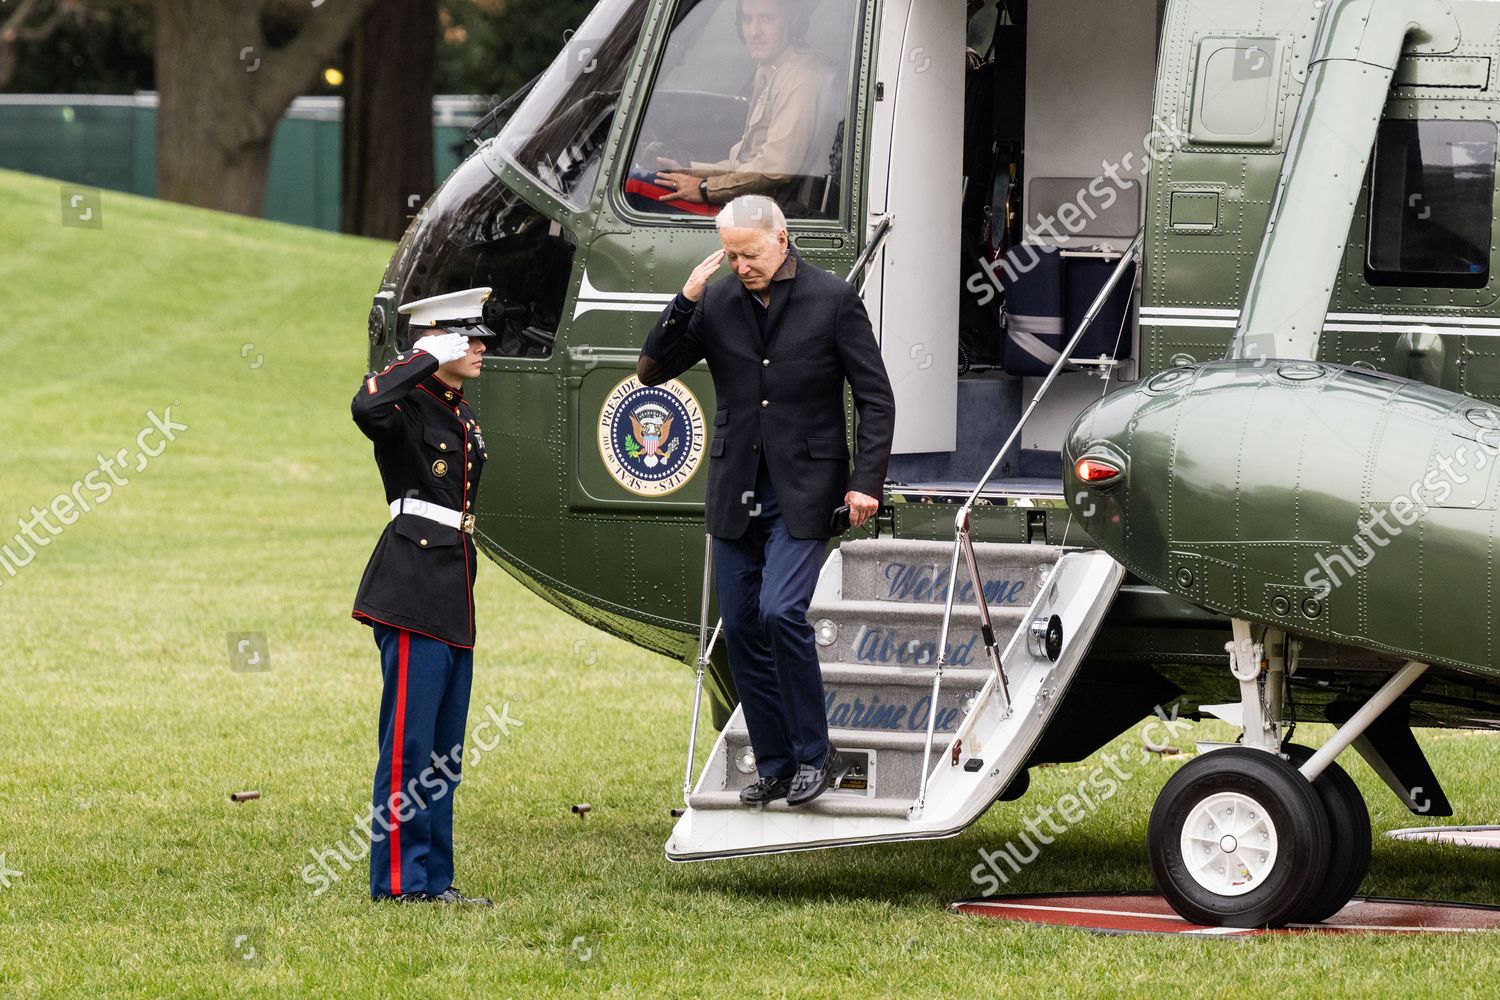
(764, 580)
(423, 710)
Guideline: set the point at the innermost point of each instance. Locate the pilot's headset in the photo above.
(802, 11)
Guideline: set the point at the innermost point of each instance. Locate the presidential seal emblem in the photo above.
(651, 436)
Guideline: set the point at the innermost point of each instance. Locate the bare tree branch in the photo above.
(15, 31)
(325, 29)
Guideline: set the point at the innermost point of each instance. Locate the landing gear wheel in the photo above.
(1349, 833)
(1238, 838)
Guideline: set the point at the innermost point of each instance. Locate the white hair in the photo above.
(752, 211)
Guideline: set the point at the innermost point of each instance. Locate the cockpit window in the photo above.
(558, 134)
(478, 233)
(752, 98)
(1432, 200)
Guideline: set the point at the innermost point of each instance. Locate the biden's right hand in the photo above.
(445, 347)
(698, 280)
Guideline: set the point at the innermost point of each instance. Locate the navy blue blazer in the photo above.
(782, 395)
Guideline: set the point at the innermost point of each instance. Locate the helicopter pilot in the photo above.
(417, 593)
(783, 119)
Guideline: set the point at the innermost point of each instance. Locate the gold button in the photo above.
(765, 362)
(764, 403)
(443, 446)
(468, 447)
(423, 542)
(447, 395)
(466, 505)
(468, 466)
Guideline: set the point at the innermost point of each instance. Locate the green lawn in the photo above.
(125, 728)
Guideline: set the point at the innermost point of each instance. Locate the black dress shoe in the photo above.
(452, 895)
(810, 782)
(765, 790)
(409, 897)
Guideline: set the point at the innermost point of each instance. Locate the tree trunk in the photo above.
(387, 166)
(222, 90)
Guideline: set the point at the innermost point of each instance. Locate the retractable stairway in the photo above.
(938, 684)
(878, 614)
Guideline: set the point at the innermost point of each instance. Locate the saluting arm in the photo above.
(374, 405)
(874, 402)
(675, 343)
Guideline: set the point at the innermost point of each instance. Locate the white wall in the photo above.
(1090, 69)
(917, 175)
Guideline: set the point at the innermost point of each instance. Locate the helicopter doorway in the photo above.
(1057, 109)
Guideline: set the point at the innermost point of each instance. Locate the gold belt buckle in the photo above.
(467, 525)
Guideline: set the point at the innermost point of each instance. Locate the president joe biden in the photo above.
(781, 339)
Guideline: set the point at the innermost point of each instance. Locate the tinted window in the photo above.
(476, 233)
(752, 96)
(1432, 195)
(558, 134)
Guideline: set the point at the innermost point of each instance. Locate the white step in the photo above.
(896, 753)
(885, 633)
(916, 572)
(831, 803)
(1083, 585)
(863, 697)
(736, 735)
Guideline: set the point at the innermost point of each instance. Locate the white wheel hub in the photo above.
(1229, 844)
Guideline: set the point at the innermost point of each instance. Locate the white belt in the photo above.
(434, 512)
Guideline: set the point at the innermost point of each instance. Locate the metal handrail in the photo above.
(963, 543)
(868, 254)
(705, 650)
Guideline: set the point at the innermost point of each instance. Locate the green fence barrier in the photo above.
(110, 142)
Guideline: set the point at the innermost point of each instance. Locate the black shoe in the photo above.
(810, 782)
(765, 790)
(452, 895)
(408, 897)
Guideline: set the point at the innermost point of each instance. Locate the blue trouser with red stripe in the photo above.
(423, 711)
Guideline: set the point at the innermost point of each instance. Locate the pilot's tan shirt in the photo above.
(779, 130)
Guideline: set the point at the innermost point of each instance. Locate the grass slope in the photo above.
(124, 728)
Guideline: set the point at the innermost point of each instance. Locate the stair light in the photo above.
(826, 631)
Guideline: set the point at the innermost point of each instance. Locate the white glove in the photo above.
(445, 347)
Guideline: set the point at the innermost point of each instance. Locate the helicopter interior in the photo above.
(1051, 194)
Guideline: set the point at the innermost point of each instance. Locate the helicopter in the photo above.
(1187, 308)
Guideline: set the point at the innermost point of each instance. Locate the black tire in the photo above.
(1349, 838)
(1276, 793)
